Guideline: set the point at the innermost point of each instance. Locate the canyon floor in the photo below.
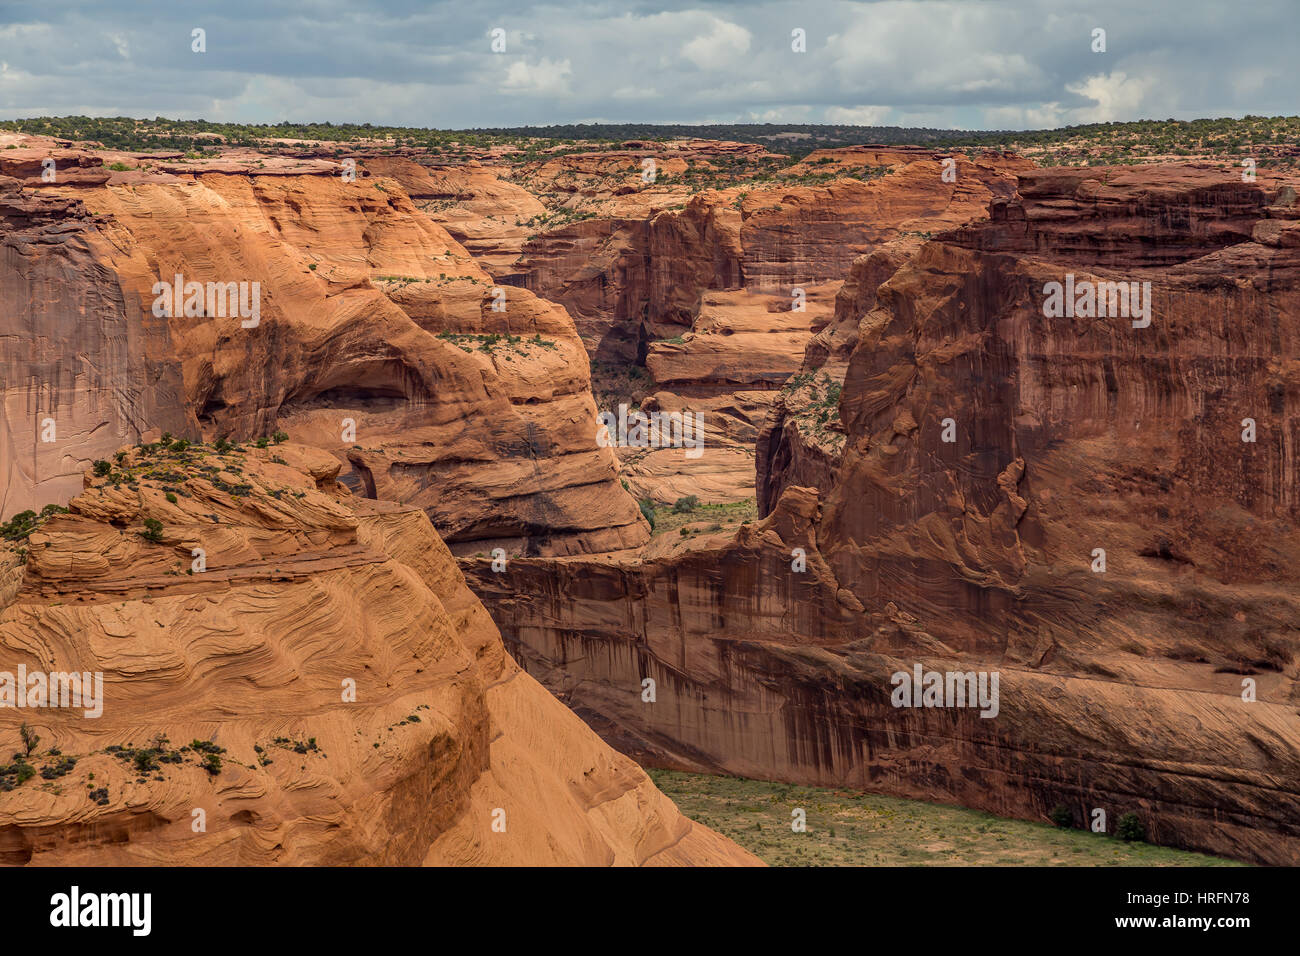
(850, 828)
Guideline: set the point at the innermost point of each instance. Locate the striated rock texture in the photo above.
(489, 216)
(379, 338)
(1123, 684)
(228, 733)
(741, 340)
(741, 347)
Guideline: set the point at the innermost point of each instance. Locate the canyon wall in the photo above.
(950, 473)
(718, 293)
(379, 338)
(636, 272)
(802, 437)
(81, 371)
(1064, 500)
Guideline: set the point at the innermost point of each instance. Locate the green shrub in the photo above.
(153, 530)
(648, 509)
(686, 505)
(19, 526)
(1061, 816)
(102, 468)
(145, 761)
(59, 768)
(1130, 829)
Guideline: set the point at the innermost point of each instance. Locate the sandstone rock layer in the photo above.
(447, 753)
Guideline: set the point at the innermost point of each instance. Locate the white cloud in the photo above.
(1117, 96)
(120, 44)
(1046, 116)
(940, 63)
(858, 115)
(786, 114)
(546, 76)
(25, 31)
(722, 45)
(934, 52)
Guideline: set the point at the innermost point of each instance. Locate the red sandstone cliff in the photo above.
(1121, 689)
(379, 338)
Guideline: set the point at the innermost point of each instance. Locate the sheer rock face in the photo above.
(726, 371)
(379, 338)
(1121, 689)
(802, 437)
(81, 370)
(741, 340)
(813, 233)
(307, 591)
(1073, 431)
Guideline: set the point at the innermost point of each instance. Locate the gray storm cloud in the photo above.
(966, 63)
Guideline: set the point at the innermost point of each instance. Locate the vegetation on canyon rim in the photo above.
(165, 464)
(686, 516)
(1272, 141)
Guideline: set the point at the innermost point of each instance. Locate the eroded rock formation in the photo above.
(378, 337)
(949, 474)
(802, 437)
(317, 686)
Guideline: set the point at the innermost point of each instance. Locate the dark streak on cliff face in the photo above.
(74, 353)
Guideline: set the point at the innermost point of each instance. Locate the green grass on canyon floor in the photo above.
(673, 519)
(847, 828)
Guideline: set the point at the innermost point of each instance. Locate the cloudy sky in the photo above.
(971, 64)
